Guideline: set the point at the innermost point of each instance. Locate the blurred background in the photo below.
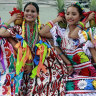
(48, 8)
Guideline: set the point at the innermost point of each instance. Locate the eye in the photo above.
(73, 14)
(27, 10)
(67, 14)
(32, 11)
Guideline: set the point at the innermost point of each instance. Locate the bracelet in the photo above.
(82, 24)
(69, 65)
(79, 27)
(29, 64)
(50, 24)
(6, 24)
(60, 54)
(3, 27)
(94, 63)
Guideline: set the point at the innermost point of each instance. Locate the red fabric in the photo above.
(76, 58)
(85, 72)
(86, 14)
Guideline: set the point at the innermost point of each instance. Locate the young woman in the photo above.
(82, 81)
(48, 83)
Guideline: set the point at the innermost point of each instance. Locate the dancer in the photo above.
(83, 78)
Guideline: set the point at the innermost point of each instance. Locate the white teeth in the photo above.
(70, 20)
(29, 16)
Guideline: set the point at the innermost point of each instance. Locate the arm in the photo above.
(13, 43)
(3, 31)
(65, 59)
(45, 31)
(93, 53)
(74, 34)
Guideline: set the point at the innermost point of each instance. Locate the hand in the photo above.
(12, 19)
(15, 17)
(91, 16)
(60, 19)
(70, 69)
(28, 69)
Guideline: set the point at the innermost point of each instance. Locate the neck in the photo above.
(31, 24)
(72, 27)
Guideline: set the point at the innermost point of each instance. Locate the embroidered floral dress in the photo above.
(48, 84)
(83, 80)
(7, 69)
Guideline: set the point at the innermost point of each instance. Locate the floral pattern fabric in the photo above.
(81, 81)
(49, 84)
(8, 78)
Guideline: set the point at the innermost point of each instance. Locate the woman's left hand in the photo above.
(70, 70)
(28, 69)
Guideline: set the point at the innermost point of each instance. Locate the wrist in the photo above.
(55, 21)
(69, 65)
(9, 21)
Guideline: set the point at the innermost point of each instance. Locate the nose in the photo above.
(29, 12)
(69, 16)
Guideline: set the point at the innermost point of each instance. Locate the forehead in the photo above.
(72, 9)
(30, 7)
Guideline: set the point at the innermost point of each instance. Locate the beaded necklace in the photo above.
(31, 37)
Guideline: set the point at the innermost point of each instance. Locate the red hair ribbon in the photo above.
(62, 14)
(15, 10)
(86, 14)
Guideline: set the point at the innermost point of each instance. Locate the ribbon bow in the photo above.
(23, 55)
(41, 51)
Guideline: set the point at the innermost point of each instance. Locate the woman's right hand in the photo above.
(91, 16)
(15, 17)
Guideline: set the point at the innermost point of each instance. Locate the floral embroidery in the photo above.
(82, 84)
(94, 83)
(80, 58)
(70, 85)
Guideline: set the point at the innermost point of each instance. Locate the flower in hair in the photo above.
(78, 4)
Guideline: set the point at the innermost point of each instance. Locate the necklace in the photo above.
(31, 36)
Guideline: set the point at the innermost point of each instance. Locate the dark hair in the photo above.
(34, 4)
(79, 8)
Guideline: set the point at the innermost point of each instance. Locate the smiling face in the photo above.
(30, 13)
(72, 15)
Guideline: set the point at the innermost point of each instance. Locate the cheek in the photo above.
(77, 18)
(24, 14)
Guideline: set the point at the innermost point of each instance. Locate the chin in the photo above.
(70, 23)
(29, 20)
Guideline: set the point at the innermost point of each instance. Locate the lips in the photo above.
(70, 20)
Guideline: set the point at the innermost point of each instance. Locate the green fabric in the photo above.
(70, 59)
(70, 86)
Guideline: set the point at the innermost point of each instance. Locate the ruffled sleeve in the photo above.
(54, 35)
(15, 30)
(86, 47)
(57, 31)
(85, 35)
